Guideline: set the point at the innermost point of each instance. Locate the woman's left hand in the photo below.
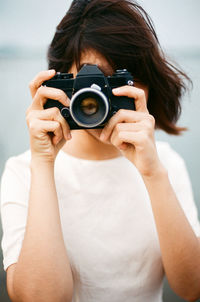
(133, 132)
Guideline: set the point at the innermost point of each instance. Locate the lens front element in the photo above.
(89, 107)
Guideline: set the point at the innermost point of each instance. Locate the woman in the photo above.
(101, 215)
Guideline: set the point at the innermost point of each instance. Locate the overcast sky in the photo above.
(32, 22)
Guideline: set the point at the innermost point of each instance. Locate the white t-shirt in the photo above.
(107, 223)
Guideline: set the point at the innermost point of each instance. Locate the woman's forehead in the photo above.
(96, 58)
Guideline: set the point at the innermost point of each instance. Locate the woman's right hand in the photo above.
(47, 128)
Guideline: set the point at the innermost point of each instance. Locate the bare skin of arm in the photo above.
(43, 271)
(180, 248)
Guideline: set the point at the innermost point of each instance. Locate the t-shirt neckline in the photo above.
(90, 161)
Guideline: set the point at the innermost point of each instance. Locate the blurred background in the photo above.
(26, 29)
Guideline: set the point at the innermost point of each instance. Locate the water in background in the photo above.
(15, 74)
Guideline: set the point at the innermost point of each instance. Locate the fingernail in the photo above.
(116, 90)
(51, 71)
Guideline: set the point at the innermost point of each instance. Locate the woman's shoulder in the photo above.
(17, 167)
(174, 164)
(16, 178)
(167, 153)
(21, 160)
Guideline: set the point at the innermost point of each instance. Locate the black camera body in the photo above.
(92, 103)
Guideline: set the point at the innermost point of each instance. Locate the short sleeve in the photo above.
(181, 184)
(14, 205)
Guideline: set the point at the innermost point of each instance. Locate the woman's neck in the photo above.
(86, 145)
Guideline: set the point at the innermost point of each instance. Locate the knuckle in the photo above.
(31, 126)
(141, 93)
(122, 112)
(58, 93)
(56, 111)
(62, 95)
(31, 85)
(112, 140)
(40, 90)
(150, 122)
(151, 119)
(118, 128)
(53, 113)
(57, 125)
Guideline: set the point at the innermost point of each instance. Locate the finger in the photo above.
(116, 140)
(58, 134)
(122, 116)
(43, 93)
(39, 127)
(125, 137)
(133, 127)
(57, 116)
(52, 114)
(39, 79)
(136, 93)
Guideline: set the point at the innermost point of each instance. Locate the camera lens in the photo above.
(89, 107)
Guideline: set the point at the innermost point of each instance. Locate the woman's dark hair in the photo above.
(123, 33)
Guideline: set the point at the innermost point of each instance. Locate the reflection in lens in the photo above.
(89, 106)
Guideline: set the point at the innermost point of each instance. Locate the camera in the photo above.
(92, 103)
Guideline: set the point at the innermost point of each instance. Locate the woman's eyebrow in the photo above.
(105, 69)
